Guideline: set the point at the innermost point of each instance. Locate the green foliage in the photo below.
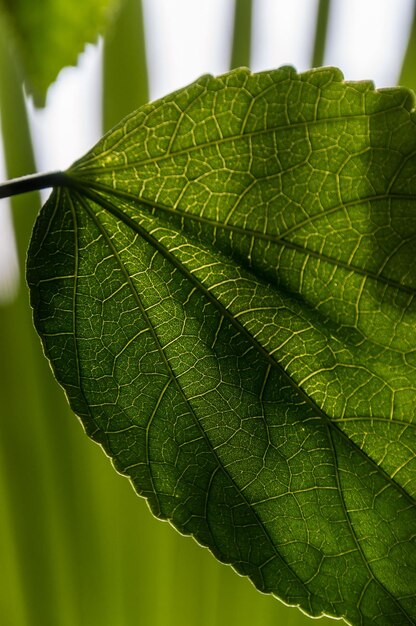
(49, 34)
(225, 289)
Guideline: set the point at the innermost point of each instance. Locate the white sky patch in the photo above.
(283, 33)
(185, 39)
(368, 38)
(71, 122)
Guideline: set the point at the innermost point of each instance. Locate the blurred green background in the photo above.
(77, 546)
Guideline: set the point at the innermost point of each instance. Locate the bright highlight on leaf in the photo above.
(225, 287)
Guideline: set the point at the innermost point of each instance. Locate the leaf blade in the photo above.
(208, 324)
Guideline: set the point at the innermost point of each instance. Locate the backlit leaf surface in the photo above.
(225, 288)
(50, 34)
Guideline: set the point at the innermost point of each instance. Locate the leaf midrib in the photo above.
(106, 205)
(366, 562)
(280, 239)
(173, 379)
(85, 167)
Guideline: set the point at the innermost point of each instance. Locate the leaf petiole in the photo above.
(33, 182)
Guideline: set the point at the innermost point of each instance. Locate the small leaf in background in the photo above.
(50, 34)
(225, 288)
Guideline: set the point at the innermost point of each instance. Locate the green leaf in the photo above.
(50, 34)
(225, 289)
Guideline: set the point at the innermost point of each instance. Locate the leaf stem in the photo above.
(321, 33)
(33, 182)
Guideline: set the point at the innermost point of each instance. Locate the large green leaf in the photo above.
(50, 34)
(225, 288)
